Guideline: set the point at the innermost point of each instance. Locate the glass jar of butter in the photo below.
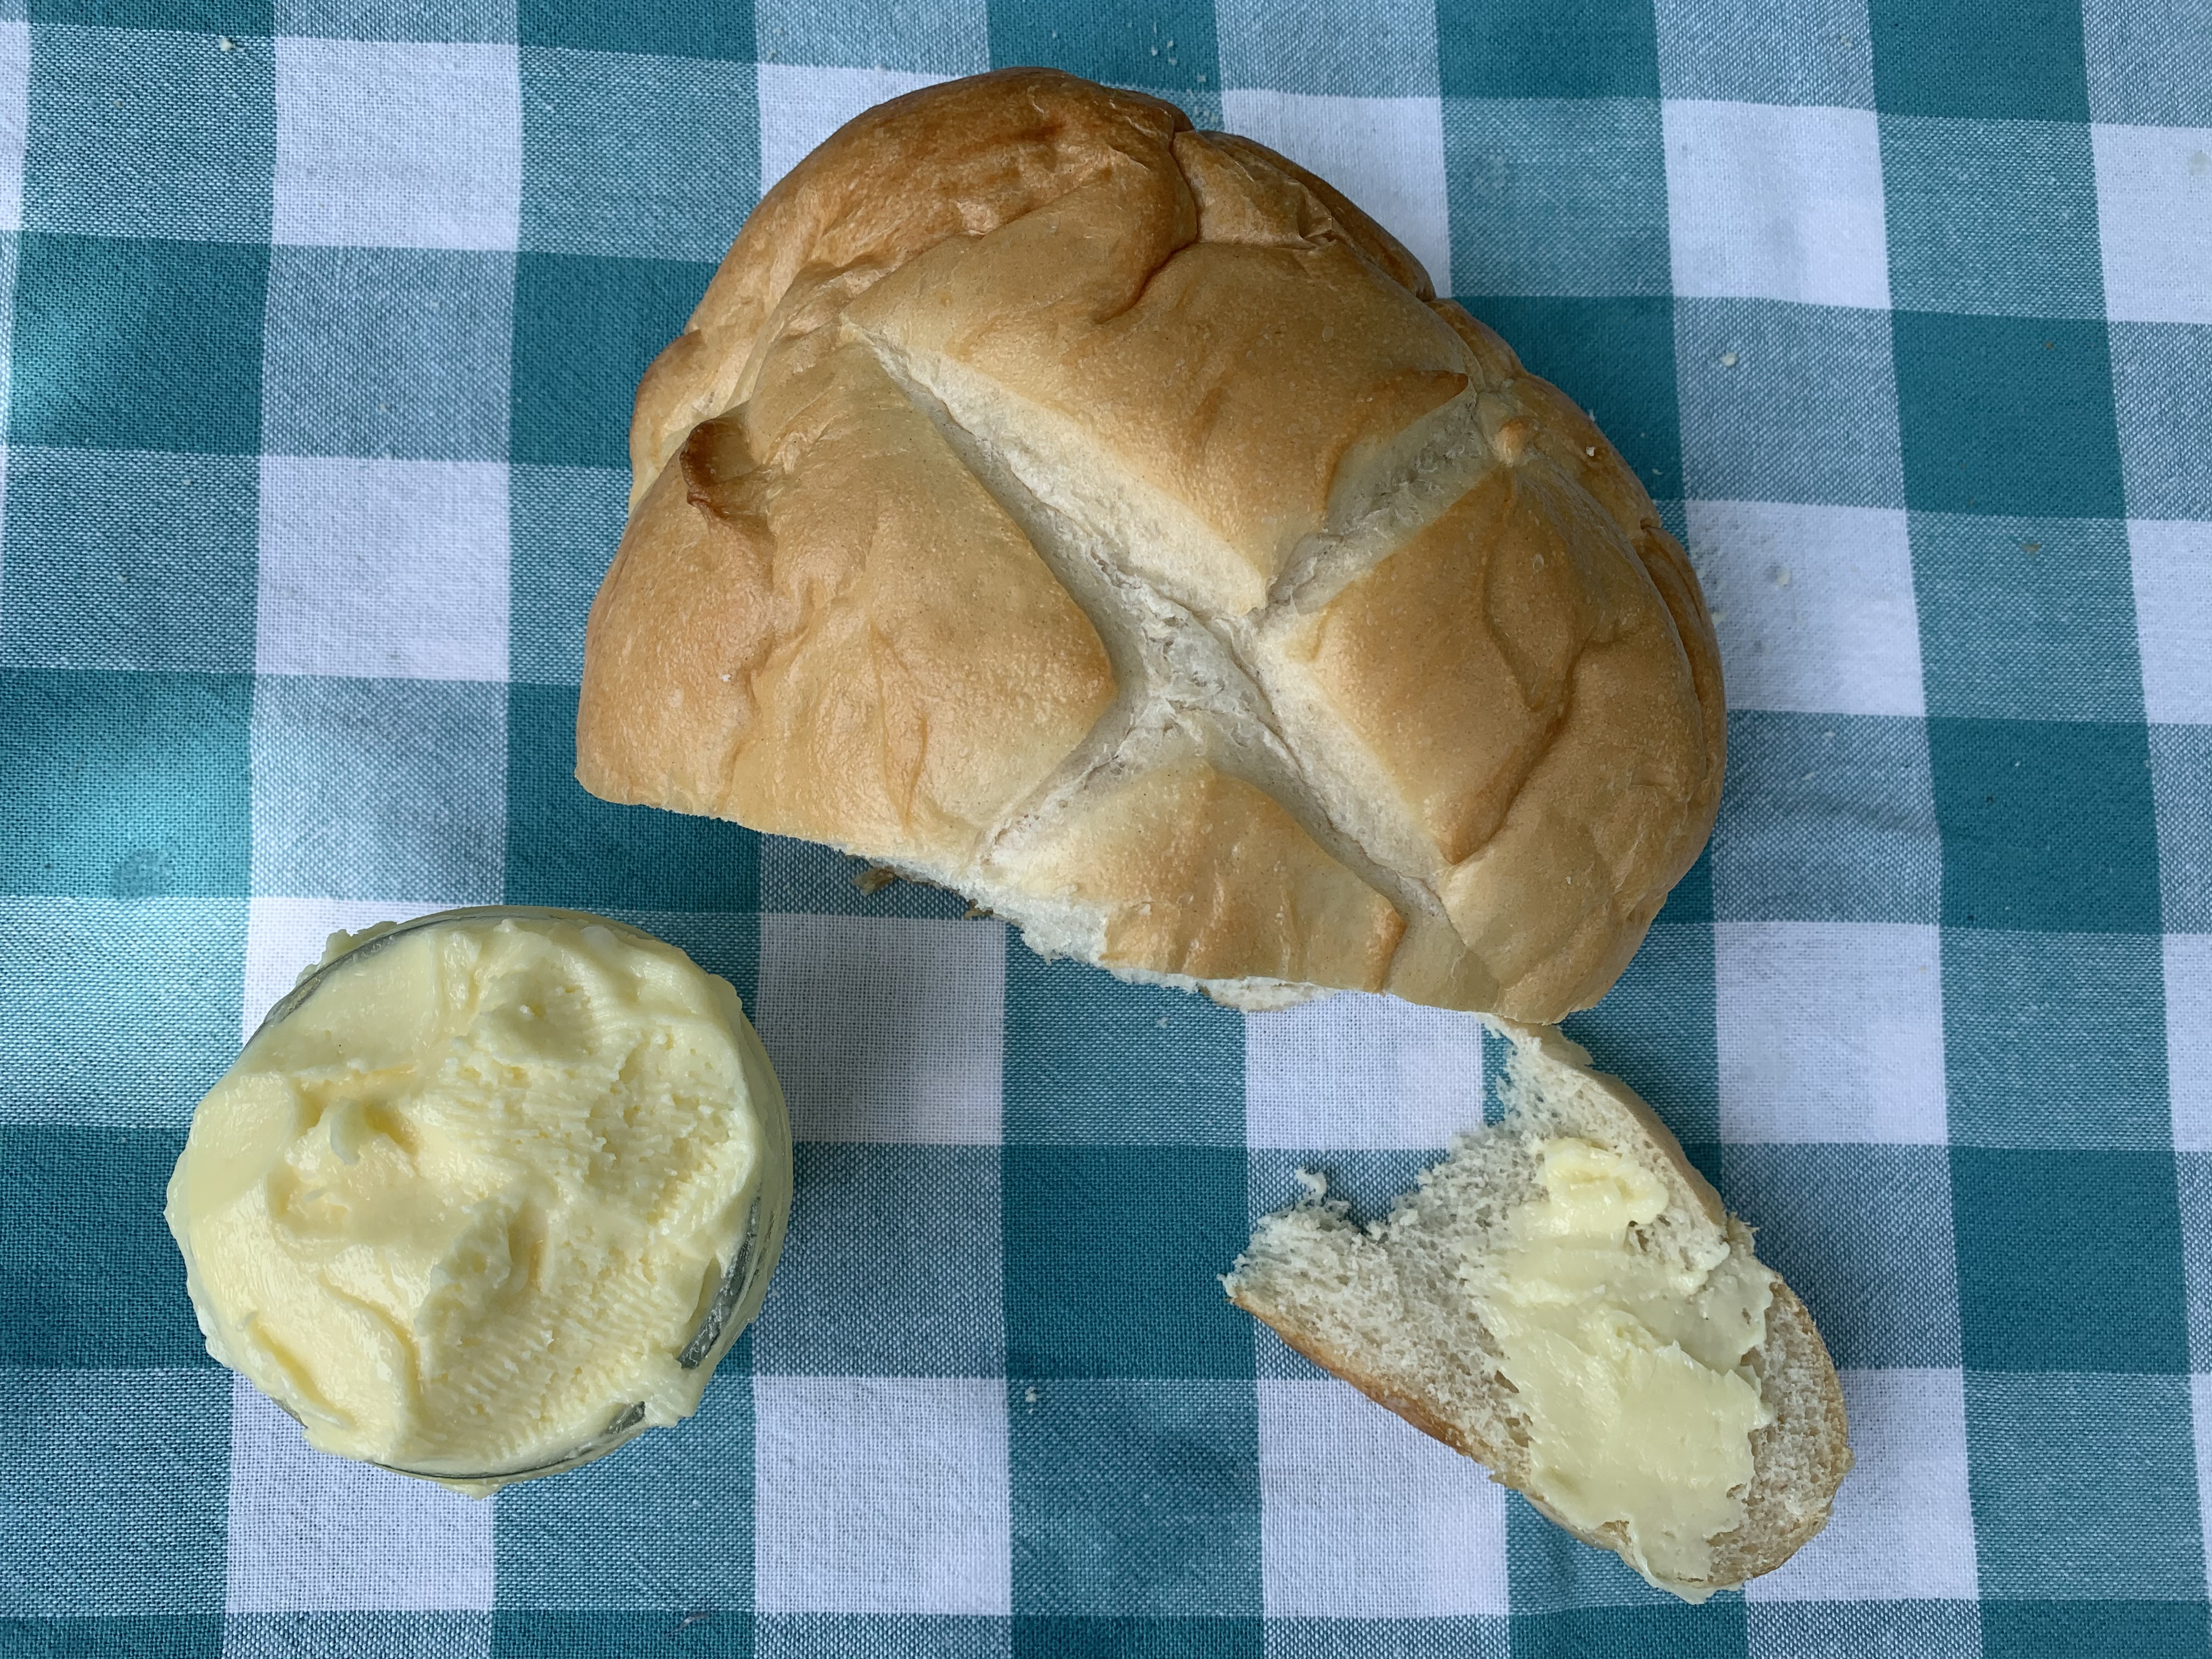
(489, 1194)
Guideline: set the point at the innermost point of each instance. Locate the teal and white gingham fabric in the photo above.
(320, 326)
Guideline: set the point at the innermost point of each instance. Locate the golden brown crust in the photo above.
(1019, 410)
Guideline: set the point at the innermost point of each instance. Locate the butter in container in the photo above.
(489, 1194)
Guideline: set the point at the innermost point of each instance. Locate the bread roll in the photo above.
(1105, 520)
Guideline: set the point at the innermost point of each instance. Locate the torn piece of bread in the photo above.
(1107, 521)
(1565, 1299)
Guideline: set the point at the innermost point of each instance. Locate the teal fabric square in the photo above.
(1862, 1234)
(1787, 403)
(2048, 826)
(665, 1526)
(891, 1267)
(1339, 48)
(2027, 618)
(1133, 1497)
(1139, 1638)
(565, 523)
(1112, 1258)
(1557, 195)
(1613, 356)
(669, 27)
(1864, 1630)
(1750, 51)
(2021, 60)
(881, 1636)
(90, 1278)
(2085, 1486)
(1165, 46)
(1389, 1639)
(723, 942)
(2006, 415)
(629, 156)
(585, 329)
(1090, 1060)
(1991, 216)
(214, 17)
(1569, 1591)
(924, 37)
(806, 878)
(567, 847)
(124, 786)
(2054, 1039)
(399, 352)
(2162, 394)
(2149, 61)
(2044, 1629)
(1654, 1029)
(603, 1633)
(112, 1492)
(1827, 818)
(1673, 1631)
(399, 19)
(1691, 899)
(1369, 1179)
(378, 789)
(175, 1636)
(118, 1012)
(116, 560)
(123, 344)
(2047, 1283)
(2181, 777)
(149, 132)
(1548, 49)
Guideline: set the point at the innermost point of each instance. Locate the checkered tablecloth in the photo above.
(320, 326)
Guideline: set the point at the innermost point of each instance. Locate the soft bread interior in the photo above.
(1385, 1307)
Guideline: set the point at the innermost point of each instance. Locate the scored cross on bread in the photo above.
(1107, 521)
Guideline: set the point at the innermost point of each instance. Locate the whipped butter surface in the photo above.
(494, 1194)
(1627, 1356)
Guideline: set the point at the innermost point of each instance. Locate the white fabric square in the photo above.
(285, 936)
(392, 143)
(801, 105)
(1363, 1517)
(2172, 560)
(2189, 1039)
(885, 1030)
(1830, 1031)
(2155, 220)
(1355, 1071)
(15, 117)
(1386, 153)
(1776, 201)
(1813, 606)
(310, 1532)
(383, 569)
(1904, 1524)
(881, 1494)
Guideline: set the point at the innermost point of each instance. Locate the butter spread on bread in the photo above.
(1107, 521)
(1566, 1300)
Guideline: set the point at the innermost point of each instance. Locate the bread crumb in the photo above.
(1728, 360)
(874, 879)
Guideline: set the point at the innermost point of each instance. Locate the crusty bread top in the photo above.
(1105, 518)
(1385, 1309)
